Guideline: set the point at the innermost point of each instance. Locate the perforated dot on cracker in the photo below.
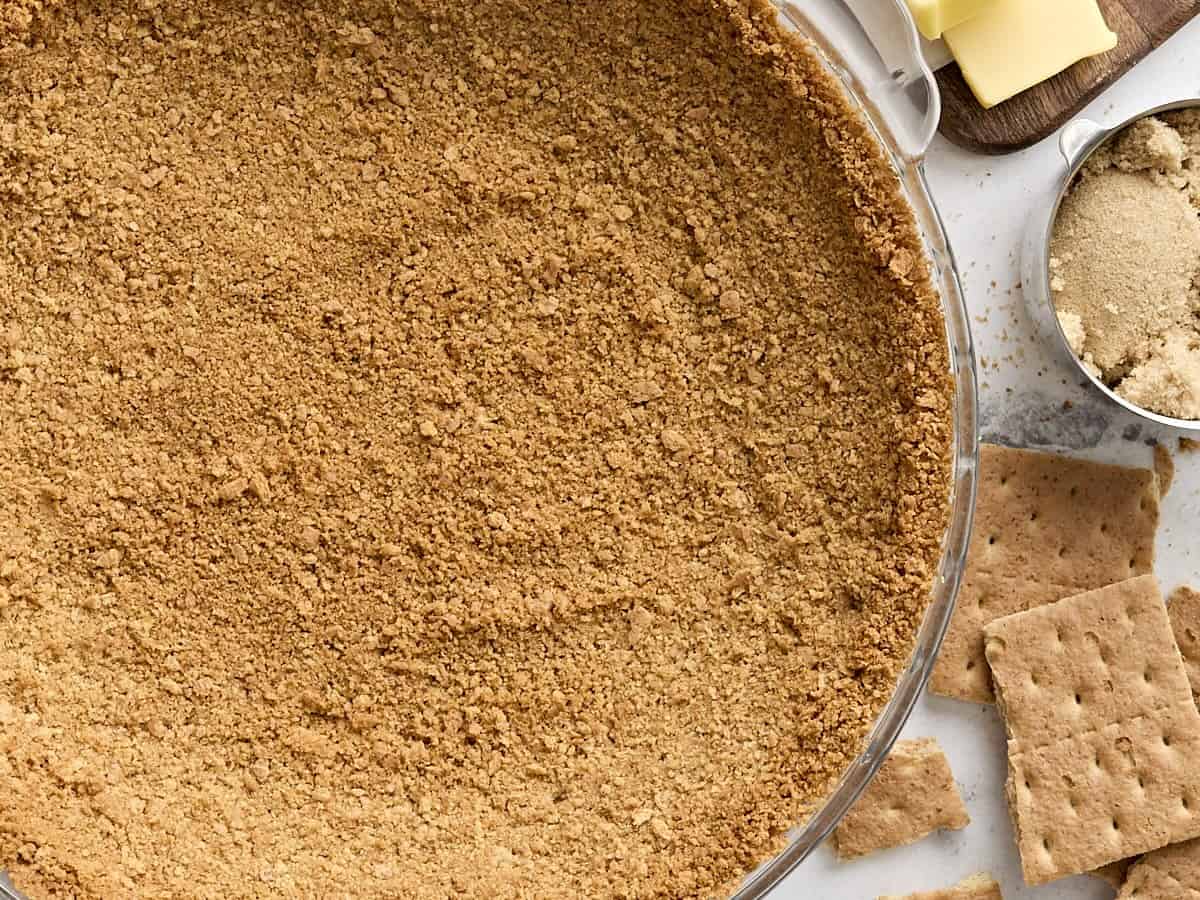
(913, 796)
(1046, 527)
(1103, 734)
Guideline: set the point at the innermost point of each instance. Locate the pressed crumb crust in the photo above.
(486, 450)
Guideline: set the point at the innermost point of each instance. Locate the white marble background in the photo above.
(986, 202)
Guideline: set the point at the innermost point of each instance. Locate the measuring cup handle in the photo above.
(1077, 139)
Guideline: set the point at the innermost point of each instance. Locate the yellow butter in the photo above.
(935, 16)
(1014, 44)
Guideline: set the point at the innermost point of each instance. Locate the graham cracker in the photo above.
(1184, 612)
(1046, 527)
(1076, 666)
(1103, 733)
(1085, 802)
(978, 887)
(962, 670)
(1172, 873)
(1148, 883)
(912, 796)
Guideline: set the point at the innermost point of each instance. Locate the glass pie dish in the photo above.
(873, 49)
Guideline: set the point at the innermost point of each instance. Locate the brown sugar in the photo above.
(1125, 269)
(484, 450)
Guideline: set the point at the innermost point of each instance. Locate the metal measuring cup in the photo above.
(1079, 140)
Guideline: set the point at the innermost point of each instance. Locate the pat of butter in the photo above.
(935, 16)
(1014, 44)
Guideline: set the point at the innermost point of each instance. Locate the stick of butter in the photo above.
(935, 16)
(1014, 44)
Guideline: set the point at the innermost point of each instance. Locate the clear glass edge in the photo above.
(876, 44)
(895, 714)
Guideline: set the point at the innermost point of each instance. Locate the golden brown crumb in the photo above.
(16, 19)
(484, 450)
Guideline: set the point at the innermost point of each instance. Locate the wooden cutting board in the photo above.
(1141, 25)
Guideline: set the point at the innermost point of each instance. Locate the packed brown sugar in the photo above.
(487, 450)
(1125, 270)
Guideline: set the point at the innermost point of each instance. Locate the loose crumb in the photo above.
(1164, 469)
(451, 449)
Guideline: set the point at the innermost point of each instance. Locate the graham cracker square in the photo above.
(962, 670)
(1172, 873)
(1078, 665)
(1184, 611)
(978, 887)
(1046, 527)
(912, 796)
(1104, 737)
(1088, 801)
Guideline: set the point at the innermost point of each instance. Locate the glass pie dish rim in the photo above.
(900, 101)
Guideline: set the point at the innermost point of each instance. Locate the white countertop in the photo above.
(986, 201)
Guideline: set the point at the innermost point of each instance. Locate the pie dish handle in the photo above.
(876, 49)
